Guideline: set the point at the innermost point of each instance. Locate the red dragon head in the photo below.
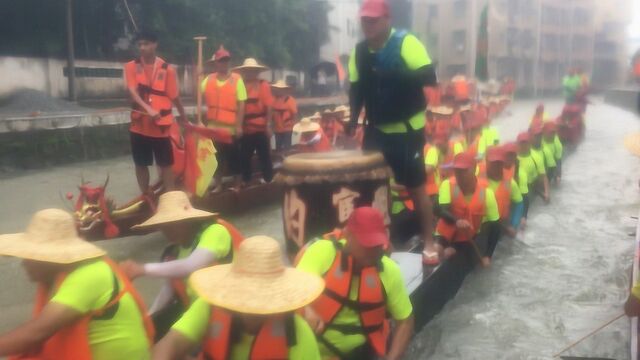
(92, 209)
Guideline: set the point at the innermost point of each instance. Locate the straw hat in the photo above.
(632, 143)
(257, 282)
(174, 206)
(280, 84)
(251, 64)
(442, 110)
(306, 125)
(341, 108)
(51, 237)
(315, 116)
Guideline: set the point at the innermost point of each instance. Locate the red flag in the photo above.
(340, 69)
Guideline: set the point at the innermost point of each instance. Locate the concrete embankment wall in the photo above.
(94, 79)
(626, 98)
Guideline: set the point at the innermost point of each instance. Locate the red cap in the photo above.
(510, 148)
(496, 153)
(221, 53)
(524, 137)
(374, 9)
(549, 127)
(366, 224)
(465, 160)
(536, 130)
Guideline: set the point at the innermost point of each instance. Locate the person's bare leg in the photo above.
(425, 214)
(142, 175)
(168, 179)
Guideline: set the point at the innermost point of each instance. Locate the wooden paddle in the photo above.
(588, 335)
(200, 40)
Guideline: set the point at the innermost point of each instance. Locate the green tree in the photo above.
(281, 33)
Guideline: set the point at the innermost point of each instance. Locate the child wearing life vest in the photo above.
(310, 137)
(247, 310)
(285, 113)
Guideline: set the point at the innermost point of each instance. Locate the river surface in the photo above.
(564, 276)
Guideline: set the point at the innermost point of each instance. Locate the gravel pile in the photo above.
(33, 102)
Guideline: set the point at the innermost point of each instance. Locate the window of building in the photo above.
(460, 8)
(432, 11)
(459, 41)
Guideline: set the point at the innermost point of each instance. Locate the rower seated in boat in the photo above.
(362, 286)
(197, 239)
(467, 209)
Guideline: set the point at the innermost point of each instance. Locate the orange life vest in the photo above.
(472, 211)
(72, 341)
(370, 304)
(171, 253)
(503, 198)
(222, 101)
(273, 341)
(255, 110)
(282, 115)
(153, 92)
(461, 89)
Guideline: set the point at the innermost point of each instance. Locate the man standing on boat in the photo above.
(363, 285)
(256, 127)
(388, 71)
(153, 87)
(225, 94)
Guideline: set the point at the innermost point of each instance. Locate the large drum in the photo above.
(322, 189)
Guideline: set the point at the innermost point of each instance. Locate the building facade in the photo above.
(533, 41)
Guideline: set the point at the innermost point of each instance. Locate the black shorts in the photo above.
(403, 153)
(145, 148)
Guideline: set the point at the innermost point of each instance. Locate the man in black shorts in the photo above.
(388, 71)
(153, 87)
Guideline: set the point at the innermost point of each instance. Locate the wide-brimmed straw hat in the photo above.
(257, 282)
(50, 237)
(442, 110)
(632, 143)
(251, 64)
(280, 84)
(315, 116)
(174, 206)
(306, 125)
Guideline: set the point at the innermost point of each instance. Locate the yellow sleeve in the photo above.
(457, 148)
(444, 195)
(540, 166)
(493, 214)
(414, 53)
(318, 257)
(398, 303)
(353, 69)
(306, 347)
(194, 322)
(217, 240)
(432, 157)
(523, 182)
(86, 288)
(516, 195)
(635, 290)
(241, 90)
(559, 148)
(203, 84)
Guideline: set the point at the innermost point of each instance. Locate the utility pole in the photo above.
(71, 69)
